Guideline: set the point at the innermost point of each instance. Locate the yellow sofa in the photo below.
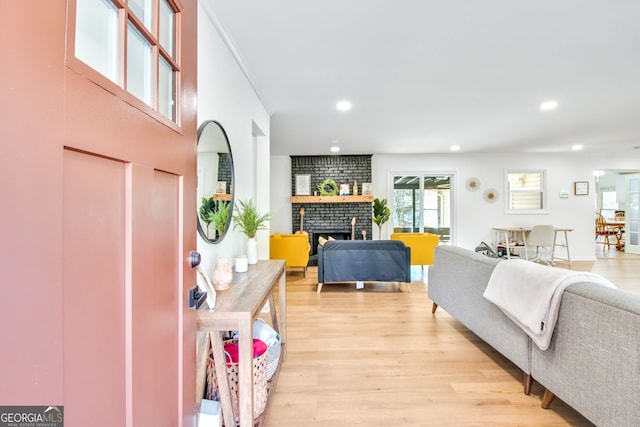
(422, 246)
(293, 248)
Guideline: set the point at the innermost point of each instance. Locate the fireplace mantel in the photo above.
(331, 199)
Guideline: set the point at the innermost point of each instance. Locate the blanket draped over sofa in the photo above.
(530, 294)
(363, 261)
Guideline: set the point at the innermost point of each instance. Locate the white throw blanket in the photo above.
(530, 294)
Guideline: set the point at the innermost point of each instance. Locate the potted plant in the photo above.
(220, 217)
(207, 209)
(381, 214)
(247, 217)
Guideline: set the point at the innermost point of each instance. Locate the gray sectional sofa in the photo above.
(593, 362)
(363, 261)
(456, 281)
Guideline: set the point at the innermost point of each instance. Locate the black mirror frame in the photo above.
(202, 233)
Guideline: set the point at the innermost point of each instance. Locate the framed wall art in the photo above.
(303, 185)
(581, 188)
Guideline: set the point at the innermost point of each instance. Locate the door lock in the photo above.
(194, 259)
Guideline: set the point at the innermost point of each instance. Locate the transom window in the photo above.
(525, 191)
(133, 44)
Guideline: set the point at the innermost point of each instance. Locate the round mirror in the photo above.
(215, 182)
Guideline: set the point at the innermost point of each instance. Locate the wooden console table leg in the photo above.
(202, 358)
(282, 294)
(274, 314)
(245, 374)
(223, 379)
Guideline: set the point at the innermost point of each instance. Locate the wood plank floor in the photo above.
(378, 357)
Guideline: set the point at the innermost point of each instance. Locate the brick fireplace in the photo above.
(327, 218)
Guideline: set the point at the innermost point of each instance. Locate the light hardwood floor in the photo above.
(378, 357)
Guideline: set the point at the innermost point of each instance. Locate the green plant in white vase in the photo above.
(249, 220)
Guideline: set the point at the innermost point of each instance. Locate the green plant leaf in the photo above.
(247, 217)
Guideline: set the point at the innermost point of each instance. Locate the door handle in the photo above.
(194, 259)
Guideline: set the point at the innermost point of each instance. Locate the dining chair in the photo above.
(542, 236)
(602, 230)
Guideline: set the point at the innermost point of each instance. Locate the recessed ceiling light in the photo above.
(455, 148)
(343, 106)
(549, 105)
(576, 147)
(335, 149)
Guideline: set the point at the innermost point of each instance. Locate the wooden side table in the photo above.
(236, 309)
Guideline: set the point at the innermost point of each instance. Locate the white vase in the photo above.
(252, 251)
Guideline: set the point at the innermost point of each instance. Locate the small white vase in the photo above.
(252, 251)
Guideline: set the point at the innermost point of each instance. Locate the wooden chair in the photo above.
(603, 231)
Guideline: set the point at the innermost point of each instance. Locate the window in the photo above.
(609, 202)
(134, 45)
(525, 191)
(97, 36)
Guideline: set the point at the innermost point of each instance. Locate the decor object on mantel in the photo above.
(381, 214)
(491, 195)
(355, 188)
(322, 188)
(472, 184)
(250, 221)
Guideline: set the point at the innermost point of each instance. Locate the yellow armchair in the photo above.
(422, 246)
(293, 248)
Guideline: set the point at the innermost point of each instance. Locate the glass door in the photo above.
(422, 203)
(632, 215)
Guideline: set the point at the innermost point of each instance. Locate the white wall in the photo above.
(225, 95)
(473, 218)
(281, 221)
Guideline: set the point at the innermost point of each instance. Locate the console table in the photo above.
(236, 309)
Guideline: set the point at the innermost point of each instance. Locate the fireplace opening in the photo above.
(335, 234)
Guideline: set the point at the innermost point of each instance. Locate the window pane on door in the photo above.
(138, 65)
(166, 90)
(437, 207)
(406, 203)
(167, 25)
(142, 10)
(96, 41)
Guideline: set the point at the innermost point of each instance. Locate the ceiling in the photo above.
(425, 75)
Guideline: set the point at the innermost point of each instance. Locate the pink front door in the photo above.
(98, 221)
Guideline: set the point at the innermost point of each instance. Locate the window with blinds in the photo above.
(525, 191)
